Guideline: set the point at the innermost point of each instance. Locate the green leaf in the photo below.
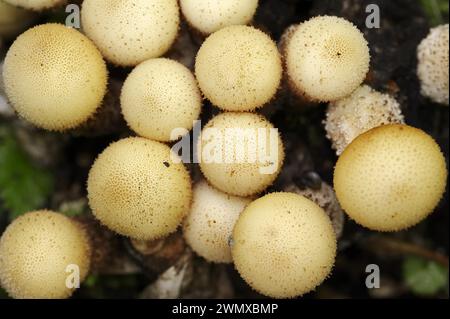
(436, 10)
(425, 278)
(23, 186)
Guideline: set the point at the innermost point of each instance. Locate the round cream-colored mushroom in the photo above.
(36, 5)
(390, 178)
(240, 153)
(433, 65)
(238, 68)
(138, 188)
(13, 20)
(283, 245)
(54, 77)
(128, 32)
(38, 253)
(208, 16)
(207, 228)
(159, 98)
(363, 110)
(326, 58)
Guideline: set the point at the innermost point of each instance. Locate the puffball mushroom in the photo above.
(137, 190)
(283, 245)
(37, 251)
(36, 5)
(13, 20)
(363, 110)
(326, 58)
(158, 96)
(128, 32)
(238, 68)
(209, 224)
(390, 178)
(240, 153)
(208, 16)
(433, 65)
(54, 77)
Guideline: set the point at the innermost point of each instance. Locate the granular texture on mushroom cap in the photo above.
(158, 96)
(54, 77)
(13, 20)
(209, 224)
(36, 5)
(128, 32)
(137, 190)
(390, 178)
(363, 110)
(208, 16)
(35, 252)
(283, 245)
(240, 153)
(238, 68)
(433, 65)
(326, 58)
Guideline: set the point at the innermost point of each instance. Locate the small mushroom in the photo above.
(54, 77)
(390, 178)
(433, 66)
(158, 96)
(326, 58)
(283, 245)
(238, 68)
(233, 149)
(208, 16)
(358, 113)
(137, 190)
(36, 251)
(128, 32)
(208, 226)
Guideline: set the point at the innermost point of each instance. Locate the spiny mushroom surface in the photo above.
(208, 16)
(238, 68)
(358, 113)
(36, 5)
(208, 226)
(240, 153)
(326, 58)
(158, 96)
(35, 252)
(283, 245)
(390, 178)
(54, 77)
(128, 32)
(137, 190)
(13, 20)
(433, 65)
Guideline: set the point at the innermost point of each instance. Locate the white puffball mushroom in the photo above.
(433, 66)
(128, 32)
(326, 58)
(240, 153)
(390, 178)
(136, 189)
(158, 96)
(37, 249)
(54, 77)
(363, 110)
(36, 5)
(283, 245)
(238, 68)
(208, 16)
(208, 226)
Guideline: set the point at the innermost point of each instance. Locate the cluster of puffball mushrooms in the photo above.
(389, 176)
